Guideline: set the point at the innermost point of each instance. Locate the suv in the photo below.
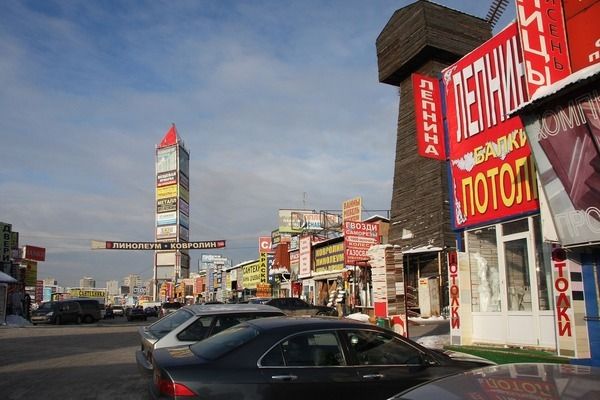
(57, 312)
(91, 310)
(193, 323)
(298, 307)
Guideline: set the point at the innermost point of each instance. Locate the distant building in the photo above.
(132, 281)
(113, 288)
(50, 282)
(87, 282)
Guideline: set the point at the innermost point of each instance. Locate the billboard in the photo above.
(169, 218)
(302, 221)
(329, 257)
(254, 273)
(583, 32)
(165, 232)
(352, 209)
(264, 244)
(305, 256)
(429, 117)
(184, 207)
(565, 139)
(166, 159)
(166, 192)
(5, 230)
(492, 170)
(544, 43)
(358, 238)
(285, 221)
(166, 178)
(34, 253)
(166, 205)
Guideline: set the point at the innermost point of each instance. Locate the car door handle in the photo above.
(373, 377)
(284, 378)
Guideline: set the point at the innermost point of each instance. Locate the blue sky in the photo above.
(278, 102)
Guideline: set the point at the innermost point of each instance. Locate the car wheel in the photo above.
(57, 320)
(88, 319)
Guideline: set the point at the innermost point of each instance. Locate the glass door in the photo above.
(518, 281)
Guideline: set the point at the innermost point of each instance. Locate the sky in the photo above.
(277, 101)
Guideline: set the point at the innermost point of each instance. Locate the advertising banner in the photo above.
(184, 233)
(208, 244)
(169, 218)
(184, 161)
(254, 274)
(358, 238)
(184, 207)
(184, 194)
(185, 182)
(285, 221)
(264, 244)
(166, 178)
(34, 253)
(583, 32)
(352, 209)
(544, 43)
(565, 139)
(493, 173)
(429, 117)
(184, 220)
(166, 205)
(166, 191)
(305, 256)
(39, 291)
(164, 232)
(329, 258)
(166, 159)
(306, 221)
(31, 272)
(5, 230)
(88, 293)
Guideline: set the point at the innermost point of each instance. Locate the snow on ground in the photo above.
(16, 321)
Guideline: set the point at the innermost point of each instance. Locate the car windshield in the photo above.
(166, 324)
(224, 341)
(46, 306)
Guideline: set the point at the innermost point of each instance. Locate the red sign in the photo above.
(428, 116)
(34, 253)
(544, 42)
(561, 286)
(454, 291)
(493, 174)
(264, 244)
(39, 291)
(358, 238)
(583, 32)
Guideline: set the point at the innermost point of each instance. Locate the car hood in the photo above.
(467, 358)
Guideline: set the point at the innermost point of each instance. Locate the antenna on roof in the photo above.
(496, 10)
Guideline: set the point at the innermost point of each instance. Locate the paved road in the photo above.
(95, 361)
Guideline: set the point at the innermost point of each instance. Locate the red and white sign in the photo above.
(454, 293)
(562, 283)
(34, 253)
(544, 42)
(305, 256)
(429, 117)
(358, 238)
(493, 173)
(583, 32)
(264, 244)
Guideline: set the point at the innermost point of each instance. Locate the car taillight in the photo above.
(168, 387)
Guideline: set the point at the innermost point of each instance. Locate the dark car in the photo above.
(57, 312)
(91, 309)
(151, 311)
(301, 358)
(135, 314)
(295, 306)
(192, 323)
(513, 381)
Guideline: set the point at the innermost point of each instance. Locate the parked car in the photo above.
(91, 309)
(296, 306)
(151, 311)
(57, 312)
(259, 300)
(192, 323)
(167, 308)
(135, 314)
(118, 311)
(513, 381)
(301, 358)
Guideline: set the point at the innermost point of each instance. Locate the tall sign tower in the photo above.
(172, 210)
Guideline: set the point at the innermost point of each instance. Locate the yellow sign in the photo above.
(87, 293)
(166, 192)
(352, 209)
(254, 273)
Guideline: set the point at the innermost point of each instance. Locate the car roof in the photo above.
(311, 322)
(200, 309)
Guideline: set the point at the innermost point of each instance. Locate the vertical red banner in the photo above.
(428, 117)
(543, 42)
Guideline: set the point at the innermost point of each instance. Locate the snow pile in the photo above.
(434, 342)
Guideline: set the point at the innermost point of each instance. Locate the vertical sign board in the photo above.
(583, 32)
(429, 117)
(544, 43)
(352, 209)
(305, 257)
(454, 296)
(5, 233)
(358, 238)
(493, 173)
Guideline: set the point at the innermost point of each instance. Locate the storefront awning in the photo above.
(423, 249)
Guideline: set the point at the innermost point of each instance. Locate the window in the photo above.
(166, 324)
(517, 275)
(377, 348)
(542, 266)
(314, 349)
(217, 345)
(196, 330)
(485, 273)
